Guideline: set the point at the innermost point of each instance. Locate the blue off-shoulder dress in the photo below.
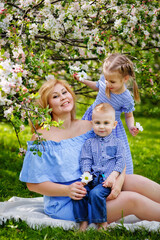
(121, 103)
(59, 163)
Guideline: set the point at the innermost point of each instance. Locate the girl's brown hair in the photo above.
(46, 90)
(124, 66)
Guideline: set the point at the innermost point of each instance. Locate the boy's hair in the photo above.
(120, 63)
(104, 108)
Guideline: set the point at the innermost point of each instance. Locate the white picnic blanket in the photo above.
(31, 211)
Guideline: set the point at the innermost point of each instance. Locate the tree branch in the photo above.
(29, 9)
(14, 5)
(74, 59)
(16, 134)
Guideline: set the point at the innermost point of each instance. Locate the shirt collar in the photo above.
(105, 139)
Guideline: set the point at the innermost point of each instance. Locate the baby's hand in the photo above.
(109, 182)
(134, 131)
(111, 179)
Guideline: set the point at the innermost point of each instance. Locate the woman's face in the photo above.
(60, 100)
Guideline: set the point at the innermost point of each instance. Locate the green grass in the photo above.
(146, 159)
(145, 149)
(19, 230)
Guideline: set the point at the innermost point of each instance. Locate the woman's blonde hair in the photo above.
(117, 62)
(45, 91)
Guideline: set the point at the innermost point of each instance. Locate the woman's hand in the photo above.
(116, 188)
(76, 191)
(115, 191)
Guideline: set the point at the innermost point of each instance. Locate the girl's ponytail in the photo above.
(136, 92)
(123, 65)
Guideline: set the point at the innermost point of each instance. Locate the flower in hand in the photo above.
(139, 126)
(86, 177)
(82, 76)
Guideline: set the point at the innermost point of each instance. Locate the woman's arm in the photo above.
(116, 189)
(129, 118)
(75, 191)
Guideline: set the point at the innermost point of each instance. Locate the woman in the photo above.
(56, 173)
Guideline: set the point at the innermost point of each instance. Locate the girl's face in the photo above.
(60, 100)
(115, 82)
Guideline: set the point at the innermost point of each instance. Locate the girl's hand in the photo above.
(134, 131)
(75, 76)
(76, 191)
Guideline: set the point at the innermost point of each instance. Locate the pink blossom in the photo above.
(151, 81)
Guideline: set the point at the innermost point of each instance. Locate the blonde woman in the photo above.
(56, 174)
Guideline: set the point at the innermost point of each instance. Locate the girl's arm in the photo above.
(129, 118)
(88, 83)
(116, 189)
(75, 191)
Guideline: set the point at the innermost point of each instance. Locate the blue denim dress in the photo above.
(59, 163)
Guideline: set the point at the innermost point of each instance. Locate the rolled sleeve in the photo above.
(86, 157)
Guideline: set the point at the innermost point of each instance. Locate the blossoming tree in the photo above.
(40, 38)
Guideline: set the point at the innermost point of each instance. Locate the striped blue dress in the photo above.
(121, 103)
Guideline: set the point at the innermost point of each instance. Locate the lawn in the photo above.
(146, 159)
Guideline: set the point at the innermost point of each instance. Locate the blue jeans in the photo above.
(96, 196)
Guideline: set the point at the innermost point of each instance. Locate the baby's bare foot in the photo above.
(83, 226)
(102, 226)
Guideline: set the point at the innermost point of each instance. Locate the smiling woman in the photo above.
(56, 173)
(55, 89)
(60, 100)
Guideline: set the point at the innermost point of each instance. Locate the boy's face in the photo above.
(103, 123)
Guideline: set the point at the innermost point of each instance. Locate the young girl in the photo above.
(118, 71)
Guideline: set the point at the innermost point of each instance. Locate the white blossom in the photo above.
(22, 128)
(86, 177)
(118, 23)
(49, 77)
(74, 69)
(47, 3)
(32, 83)
(8, 112)
(82, 76)
(58, 45)
(133, 21)
(33, 29)
(139, 126)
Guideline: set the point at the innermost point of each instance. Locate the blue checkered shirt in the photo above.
(102, 155)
